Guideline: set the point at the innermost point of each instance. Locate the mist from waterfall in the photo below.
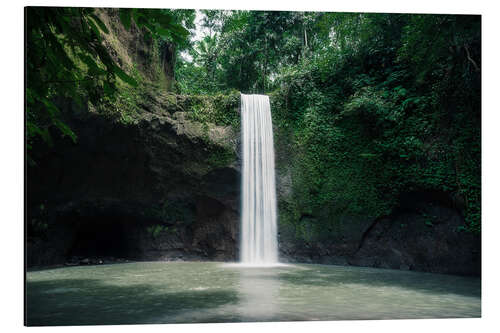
(259, 245)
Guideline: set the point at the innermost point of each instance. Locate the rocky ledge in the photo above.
(424, 233)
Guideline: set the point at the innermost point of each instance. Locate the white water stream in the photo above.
(259, 245)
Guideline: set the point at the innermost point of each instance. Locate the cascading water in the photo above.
(259, 245)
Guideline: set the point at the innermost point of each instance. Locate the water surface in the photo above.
(187, 292)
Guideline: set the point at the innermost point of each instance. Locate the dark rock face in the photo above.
(143, 181)
(143, 190)
(423, 234)
(146, 190)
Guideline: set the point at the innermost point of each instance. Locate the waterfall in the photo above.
(259, 243)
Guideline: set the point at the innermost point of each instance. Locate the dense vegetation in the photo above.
(66, 57)
(367, 107)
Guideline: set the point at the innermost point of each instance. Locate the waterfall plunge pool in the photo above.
(208, 292)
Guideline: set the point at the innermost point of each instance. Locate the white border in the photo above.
(13, 175)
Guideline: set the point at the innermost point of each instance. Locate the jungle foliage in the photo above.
(368, 106)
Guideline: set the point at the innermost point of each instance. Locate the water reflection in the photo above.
(259, 293)
(155, 292)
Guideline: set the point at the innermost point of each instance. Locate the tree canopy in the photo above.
(377, 104)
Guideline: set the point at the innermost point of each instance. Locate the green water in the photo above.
(186, 292)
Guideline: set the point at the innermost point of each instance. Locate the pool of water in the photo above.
(204, 292)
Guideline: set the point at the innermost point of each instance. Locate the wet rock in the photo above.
(71, 264)
(85, 261)
(424, 234)
(404, 267)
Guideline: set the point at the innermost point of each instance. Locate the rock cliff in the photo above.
(156, 176)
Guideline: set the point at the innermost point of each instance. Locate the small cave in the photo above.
(102, 235)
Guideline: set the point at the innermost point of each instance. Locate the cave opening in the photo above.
(104, 235)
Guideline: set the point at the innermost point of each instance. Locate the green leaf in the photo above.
(160, 17)
(163, 32)
(32, 129)
(124, 76)
(92, 65)
(139, 17)
(29, 96)
(65, 130)
(147, 36)
(179, 30)
(125, 17)
(51, 107)
(45, 134)
(100, 23)
(108, 89)
(94, 28)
